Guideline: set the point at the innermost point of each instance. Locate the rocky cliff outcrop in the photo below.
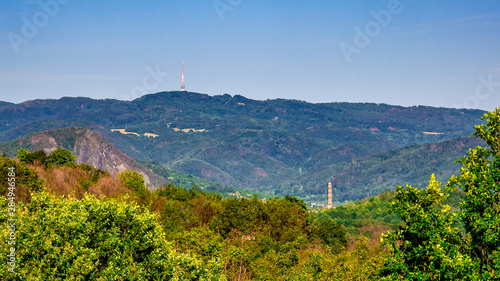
(88, 146)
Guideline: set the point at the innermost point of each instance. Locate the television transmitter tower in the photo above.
(183, 87)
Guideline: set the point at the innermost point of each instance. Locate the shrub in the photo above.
(61, 157)
(92, 239)
(132, 180)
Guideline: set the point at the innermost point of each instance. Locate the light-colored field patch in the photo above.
(151, 135)
(189, 130)
(432, 133)
(123, 131)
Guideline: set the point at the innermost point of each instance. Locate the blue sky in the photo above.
(437, 53)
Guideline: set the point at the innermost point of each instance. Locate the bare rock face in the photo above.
(97, 152)
(89, 148)
(49, 143)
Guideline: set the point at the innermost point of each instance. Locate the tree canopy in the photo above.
(431, 244)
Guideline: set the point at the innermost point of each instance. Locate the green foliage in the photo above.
(91, 239)
(183, 209)
(186, 180)
(58, 157)
(242, 215)
(431, 241)
(61, 157)
(178, 216)
(256, 240)
(332, 234)
(24, 156)
(201, 242)
(95, 174)
(178, 193)
(431, 246)
(213, 238)
(317, 265)
(480, 181)
(285, 219)
(132, 180)
(260, 145)
(371, 212)
(282, 220)
(297, 202)
(27, 157)
(24, 176)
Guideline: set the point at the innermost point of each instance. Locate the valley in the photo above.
(273, 147)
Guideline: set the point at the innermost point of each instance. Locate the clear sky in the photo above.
(440, 53)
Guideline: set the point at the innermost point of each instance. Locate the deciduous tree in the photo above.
(430, 246)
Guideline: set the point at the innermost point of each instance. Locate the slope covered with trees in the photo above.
(238, 141)
(438, 244)
(115, 228)
(368, 176)
(78, 222)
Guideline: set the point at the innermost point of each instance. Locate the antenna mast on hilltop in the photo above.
(183, 87)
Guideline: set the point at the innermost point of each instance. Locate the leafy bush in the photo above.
(92, 239)
(133, 180)
(61, 157)
(431, 245)
(332, 234)
(28, 158)
(58, 157)
(27, 180)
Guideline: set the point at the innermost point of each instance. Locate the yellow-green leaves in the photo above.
(427, 246)
(431, 246)
(65, 239)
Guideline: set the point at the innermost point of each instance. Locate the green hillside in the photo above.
(119, 230)
(94, 150)
(242, 142)
(368, 176)
(73, 221)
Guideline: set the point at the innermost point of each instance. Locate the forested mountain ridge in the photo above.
(174, 233)
(238, 141)
(371, 175)
(92, 149)
(352, 180)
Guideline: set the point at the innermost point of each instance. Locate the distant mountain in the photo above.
(368, 176)
(89, 148)
(242, 142)
(4, 104)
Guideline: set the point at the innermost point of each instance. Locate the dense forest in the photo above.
(76, 222)
(279, 147)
